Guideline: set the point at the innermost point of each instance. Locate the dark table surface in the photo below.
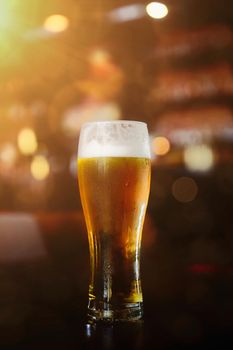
(44, 272)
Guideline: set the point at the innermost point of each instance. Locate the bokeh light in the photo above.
(198, 158)
(184, 189)
(17, 111)
(88, 112)
(8, 154)
(156, 10)
(56, 23)
(127, 13)
(7, 16)
(160, 145)
(99, 57)
(73, 166)
(27, 141)
(40, 167)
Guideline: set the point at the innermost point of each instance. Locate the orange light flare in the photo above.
(160, 145)
(101, 64)
(105, 78)
(56, 23)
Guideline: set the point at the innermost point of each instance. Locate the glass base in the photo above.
(130, 312)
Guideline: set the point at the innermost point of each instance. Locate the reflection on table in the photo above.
(44, 272)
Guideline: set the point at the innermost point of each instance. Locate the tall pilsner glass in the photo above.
(114, 180)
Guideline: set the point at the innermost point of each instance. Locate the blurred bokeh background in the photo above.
(66, 62)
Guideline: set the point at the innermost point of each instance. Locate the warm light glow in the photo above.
(157, 10)
(199, 158)
(56, 23)
(161, 145)
(7, 15)
(27, 141)
(40, 168)
(73, 166)
(8, 154)
(184, 189)
(88, 112)
(99, 57)
(127, 13)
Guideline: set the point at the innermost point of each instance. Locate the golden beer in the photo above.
(114, 182)
(114, 193)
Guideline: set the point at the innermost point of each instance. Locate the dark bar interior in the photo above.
(67, 62)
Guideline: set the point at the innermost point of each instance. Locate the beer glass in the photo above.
(114, 181)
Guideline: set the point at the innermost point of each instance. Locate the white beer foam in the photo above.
(96, 150)
(114, 139)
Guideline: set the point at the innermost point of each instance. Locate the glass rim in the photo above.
(120, 121)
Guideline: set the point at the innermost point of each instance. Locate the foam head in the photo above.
(114, 139)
